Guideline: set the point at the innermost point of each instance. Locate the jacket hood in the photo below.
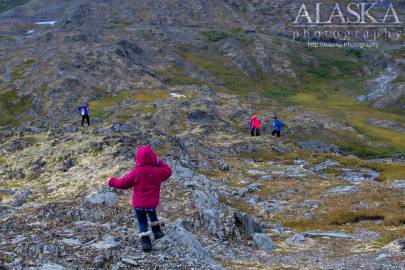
(145, 156)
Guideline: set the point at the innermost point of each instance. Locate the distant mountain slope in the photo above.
(9, 4)
(111, 51)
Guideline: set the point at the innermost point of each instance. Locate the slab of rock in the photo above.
(104, 131)
(120, 128)
(253, 187)
(328, 235)
(268, 177)
(99, 198)
(397, 184)
(107, 243)
(71, 242)
(309, 204)
(70, 129)
(317, 146)
(362, 175)
(52, 266)
(68, 162)
(380, 123)
(216, 217)
(289, 171)
(273, 206)
(257, 172)
(264, 242)
(223, 166)
(130, 261)
(396, 246)
(325, 165)
(343, 189)
(248, 223)
(7, 191)
(21, 197)
(37, 166)
(296, 239)
(398, 158)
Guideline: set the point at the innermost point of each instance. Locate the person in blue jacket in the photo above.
(277, 125)
(84, 110)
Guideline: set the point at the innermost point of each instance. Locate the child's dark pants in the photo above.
(142, 215)
(255, 132)
(276, 132)
(87, 118)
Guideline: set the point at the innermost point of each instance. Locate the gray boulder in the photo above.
(37, 166)
(359, 176)
(268, 177)
(187, 245)
(70, 129)
(100, 198)
(253, 187)
(317, 146)
(21, 197)
(328, 235)
(380, 123)
(215, 217)
(296, 239)
(398, 184)
(398, 158)
(223, 166)
(121, 128)
(68, 162)
(107, 243)
(343, 190)
(264, 242)
(325, 165)
(248, 223)
(257, 172)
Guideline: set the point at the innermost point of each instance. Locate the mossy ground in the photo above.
(375, 208)
(12, 107)
(143, 101)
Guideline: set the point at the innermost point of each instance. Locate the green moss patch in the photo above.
(19, 70)
(12, 106)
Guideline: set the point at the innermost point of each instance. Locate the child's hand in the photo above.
(107, 181)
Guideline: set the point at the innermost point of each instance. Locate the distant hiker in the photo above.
(277, 125)
(255, 126)
(145, 179)
(84, 110)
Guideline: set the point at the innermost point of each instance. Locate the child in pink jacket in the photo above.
(145, 179)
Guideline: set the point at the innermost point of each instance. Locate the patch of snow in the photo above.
(52, 23)
(176, 95)
(328, 235)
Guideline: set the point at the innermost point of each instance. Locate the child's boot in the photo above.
(146, 243)
(157, 231)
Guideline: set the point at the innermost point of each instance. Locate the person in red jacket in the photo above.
(145, 179)
(255, 126)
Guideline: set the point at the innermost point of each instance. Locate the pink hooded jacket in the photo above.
(145, 179)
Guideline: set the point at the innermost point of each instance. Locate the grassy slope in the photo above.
(329, 88)
(11, 106)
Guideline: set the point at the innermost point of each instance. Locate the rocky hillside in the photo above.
(184, 77)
